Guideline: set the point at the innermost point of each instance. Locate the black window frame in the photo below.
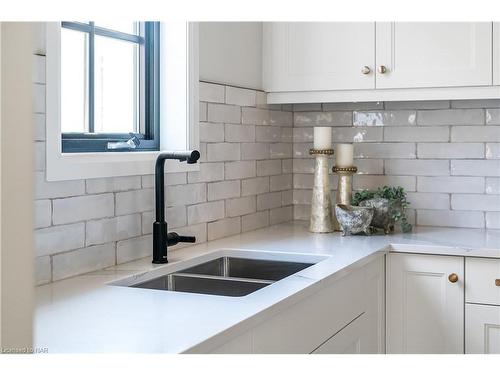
(149, 123)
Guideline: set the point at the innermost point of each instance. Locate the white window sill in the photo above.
(95, 165)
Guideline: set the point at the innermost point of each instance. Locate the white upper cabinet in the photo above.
(433, 54)
(313, 62)
(310, 56)
(496, 53)
(425, 304)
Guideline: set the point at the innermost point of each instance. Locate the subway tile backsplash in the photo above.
(244, 183)
(256, 171)
(446, 154)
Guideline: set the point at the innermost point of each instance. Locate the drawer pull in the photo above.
(453, 278)
(497, 282)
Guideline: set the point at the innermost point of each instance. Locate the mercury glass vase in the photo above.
(344, 188)
(321, 203)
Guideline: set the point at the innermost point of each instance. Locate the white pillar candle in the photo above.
(344, 155)
(322, 138)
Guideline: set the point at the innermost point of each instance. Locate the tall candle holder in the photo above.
(344, 188)
(321, 203)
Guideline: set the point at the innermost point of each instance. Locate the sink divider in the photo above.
(215, 277)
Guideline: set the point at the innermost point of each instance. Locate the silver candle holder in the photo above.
(344, 188)
(321, 203)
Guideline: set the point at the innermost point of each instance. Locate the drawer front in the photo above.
(482, 329)
(482, 276)
(301, 328)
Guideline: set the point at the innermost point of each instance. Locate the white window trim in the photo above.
(177, 92)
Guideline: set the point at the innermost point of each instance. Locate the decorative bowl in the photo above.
(353, 219)
(382, 213)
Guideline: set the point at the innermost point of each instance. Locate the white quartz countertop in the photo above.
(85, 314)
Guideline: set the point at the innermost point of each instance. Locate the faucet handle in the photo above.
(173, 239)
(191, 239)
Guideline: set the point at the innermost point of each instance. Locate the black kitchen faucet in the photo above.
(161, 238)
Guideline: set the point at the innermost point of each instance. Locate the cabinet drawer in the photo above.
(313, 320)
(482, 276)
(482, 329)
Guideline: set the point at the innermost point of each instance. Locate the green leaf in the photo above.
(397, 199)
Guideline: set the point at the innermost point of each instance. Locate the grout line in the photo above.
(51, 260)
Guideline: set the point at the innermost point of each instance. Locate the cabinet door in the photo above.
(350, 340)
(304, 325)
(375, 306)
(434, 54)
(496, 53)
(424, 308)
(482, 329)
(306, 56)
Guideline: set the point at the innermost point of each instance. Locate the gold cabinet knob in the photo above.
(453, 278)
(366, 70)
(497, 282)
(382, 69)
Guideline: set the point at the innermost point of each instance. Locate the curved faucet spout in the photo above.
(160, 229)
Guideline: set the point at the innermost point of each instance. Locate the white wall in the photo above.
(231, 53)
(17, 46)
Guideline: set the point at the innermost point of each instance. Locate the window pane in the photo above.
(73, 81)
(116, 73)
(124, 27)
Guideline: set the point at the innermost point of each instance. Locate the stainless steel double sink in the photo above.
(226, 276)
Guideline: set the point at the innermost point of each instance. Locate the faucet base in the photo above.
(162, 261)
(160, 242)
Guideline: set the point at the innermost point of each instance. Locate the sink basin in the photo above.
(260, 269)
(204, 285)
(227, 272)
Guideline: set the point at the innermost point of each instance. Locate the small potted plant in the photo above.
(390, 206)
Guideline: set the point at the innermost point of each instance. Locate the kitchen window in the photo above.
(110, 86)
(150, 93)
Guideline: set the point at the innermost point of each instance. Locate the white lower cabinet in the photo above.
(482, 310)
(425, 304)
(350, 340)
(345, 315)
(239, 345)
(482, 329)
(400, 303)
(302, 327)
(375, 307)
